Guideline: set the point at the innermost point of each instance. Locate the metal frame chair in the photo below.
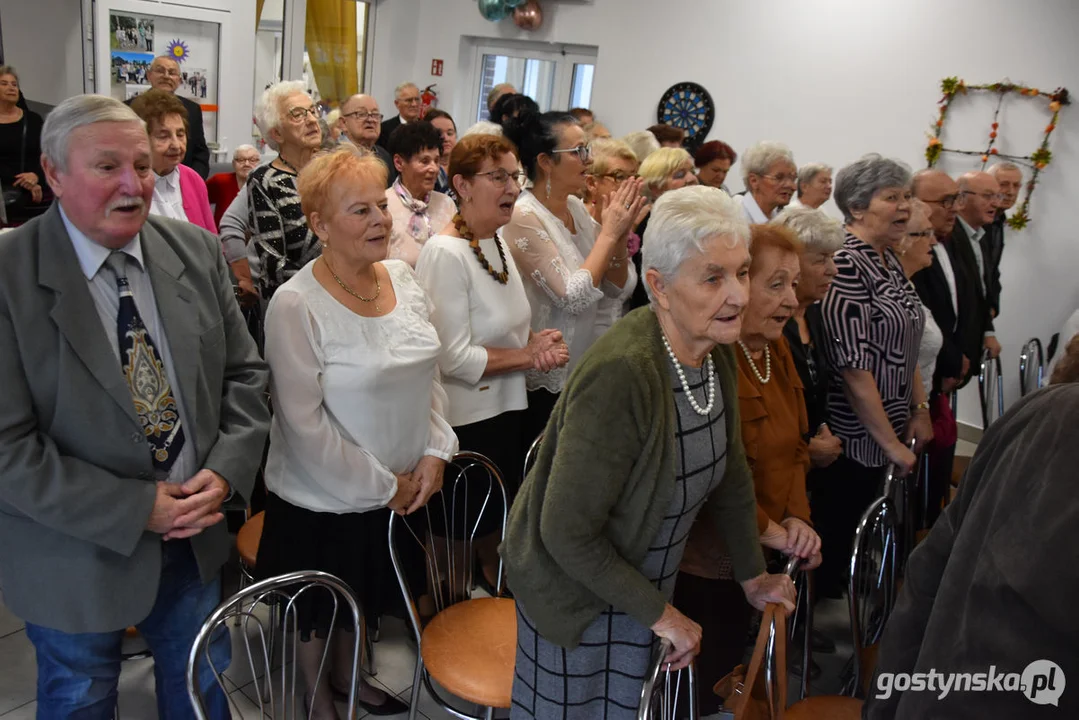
(659, 700)
(873, 568)
(988, 384)
(282, 591)
(457, 576)
(1032, 350)
(530, 456)
(803, 611)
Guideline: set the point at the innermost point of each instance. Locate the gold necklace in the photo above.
(350, 291)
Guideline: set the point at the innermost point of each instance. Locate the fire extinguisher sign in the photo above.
(436, 68)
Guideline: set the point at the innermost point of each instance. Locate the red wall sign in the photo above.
(436, 67)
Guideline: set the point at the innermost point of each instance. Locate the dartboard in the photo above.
(688, 106)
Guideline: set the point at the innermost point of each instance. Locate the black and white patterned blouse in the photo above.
(279, 232)
(873, 321)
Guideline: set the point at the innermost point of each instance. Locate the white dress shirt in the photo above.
(357, 400)
(168, 202)
(976, 245)
(945, 261)
(753, 211)
(106, 295)
(472, 312)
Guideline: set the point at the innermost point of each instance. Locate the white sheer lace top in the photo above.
(559, 290)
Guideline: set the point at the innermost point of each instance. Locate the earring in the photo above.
(548, 187)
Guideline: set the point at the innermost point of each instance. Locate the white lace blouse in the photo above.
(356, 399)
(559, 290)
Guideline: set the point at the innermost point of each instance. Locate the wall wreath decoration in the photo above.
(953, 87)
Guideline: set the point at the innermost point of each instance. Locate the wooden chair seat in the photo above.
(247, 540)
(825, 707)
(470, 649)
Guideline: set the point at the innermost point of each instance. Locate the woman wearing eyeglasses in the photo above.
(916, 254)
(281, 242)
(771, 179)
(484, 321)
(571, 262)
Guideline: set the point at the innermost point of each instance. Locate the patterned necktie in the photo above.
(145, 375)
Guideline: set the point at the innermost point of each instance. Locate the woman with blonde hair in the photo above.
(359, 422)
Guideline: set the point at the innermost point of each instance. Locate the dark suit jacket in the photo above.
(973, 304)
(76, 477)
(992, 252)
(388, 126)
(197, 156)
(994, 582)
(932, 287)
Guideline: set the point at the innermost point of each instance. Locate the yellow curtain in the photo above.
(331, 46)
(258, 12)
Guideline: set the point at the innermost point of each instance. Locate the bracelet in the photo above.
(616, 262)
(923, 405)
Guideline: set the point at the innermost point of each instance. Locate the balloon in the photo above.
(493, 10)
(528, 16)
(511, 4)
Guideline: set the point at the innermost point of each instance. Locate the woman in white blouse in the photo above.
(418, 210)
(483, 319)
(568, 260)
(359, 422)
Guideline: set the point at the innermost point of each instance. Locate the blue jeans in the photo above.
(77, 673)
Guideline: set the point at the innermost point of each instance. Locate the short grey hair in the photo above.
(483, 127)
(9, 70)
(642, 143)
(758, 158)
(74, 113)
(857, 183)
(806, 173)
(241, 148)
(993, 169)
(402, 87)
(818, 232)
(681, 221)
(268, 108)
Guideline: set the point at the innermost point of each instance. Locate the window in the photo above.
(556, 80)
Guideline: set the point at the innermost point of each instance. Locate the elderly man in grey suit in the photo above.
(133, 406)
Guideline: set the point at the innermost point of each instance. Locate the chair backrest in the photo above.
(872, 589)
(990, 386)
(1031, 367)
(448, 559)
(530, 456)
(663, 689)
(282, 592)
(802, 616)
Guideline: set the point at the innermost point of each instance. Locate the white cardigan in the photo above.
(472, 312)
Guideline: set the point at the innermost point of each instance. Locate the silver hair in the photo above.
(681, 221)
(402, 87)
(916, 206)
(993, 169)
(642, 143)
(758, 158)
(240, 148)
(818, 232)
(806, 173)
(74, 113)
(857, 183)
(268, 108)
(483, 127)
(9, 70)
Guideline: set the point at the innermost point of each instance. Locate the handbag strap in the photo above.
(773, 613)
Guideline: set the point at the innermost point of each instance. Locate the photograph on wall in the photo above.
(193, 44)
(131, 32)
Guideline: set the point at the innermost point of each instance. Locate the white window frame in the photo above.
(565, 57)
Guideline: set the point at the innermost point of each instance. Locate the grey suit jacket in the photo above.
(76, 478)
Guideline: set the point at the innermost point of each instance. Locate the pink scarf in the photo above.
(419, 225)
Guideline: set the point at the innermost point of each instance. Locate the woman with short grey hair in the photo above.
(814, 185)
(592, 565)
(873, 320)
(770, 177)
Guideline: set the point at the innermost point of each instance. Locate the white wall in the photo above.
(832, 78)
(42, 40)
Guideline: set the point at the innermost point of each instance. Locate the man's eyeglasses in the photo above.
(947, 202)
(584, 152)
(987, 196)
(500, 177)
(299, 114)
(409, 101)
(168, 73)
(781, 179)
(363, 115)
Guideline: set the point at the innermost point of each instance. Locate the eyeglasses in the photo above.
(363, 115)
(781, 179)
(947, 202)
(246, 161)
(619, 177)
(988, 197)
(922, 234)
(409, 101)
(500, 177)
(299, 114)
(584, 152)
(167, 73)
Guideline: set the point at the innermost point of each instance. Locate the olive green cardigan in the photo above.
(603, 481)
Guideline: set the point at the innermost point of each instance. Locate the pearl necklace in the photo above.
(709, 368)
(753, 366)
